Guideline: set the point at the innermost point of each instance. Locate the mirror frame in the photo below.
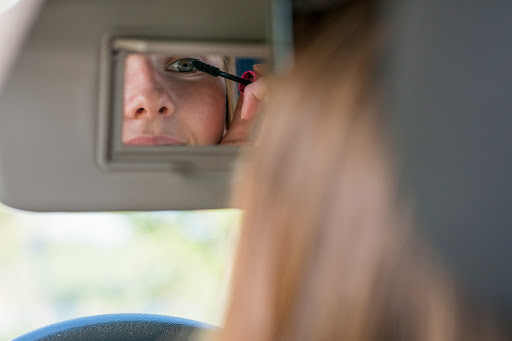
(112, 154)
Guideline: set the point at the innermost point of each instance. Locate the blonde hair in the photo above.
(324, 251)
(231, 87)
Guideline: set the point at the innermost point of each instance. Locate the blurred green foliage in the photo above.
(58, 266)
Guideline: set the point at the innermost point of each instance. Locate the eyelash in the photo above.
(177, 67)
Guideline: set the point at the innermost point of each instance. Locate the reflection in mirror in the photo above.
(167, 101)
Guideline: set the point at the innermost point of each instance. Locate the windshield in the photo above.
(58, 266)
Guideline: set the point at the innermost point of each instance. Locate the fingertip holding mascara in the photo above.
(249, 75)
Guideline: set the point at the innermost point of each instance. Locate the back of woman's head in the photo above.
(324, 252)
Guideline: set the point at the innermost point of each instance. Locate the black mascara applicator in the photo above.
(216, 72)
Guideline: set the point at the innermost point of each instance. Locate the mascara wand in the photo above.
(216, 72)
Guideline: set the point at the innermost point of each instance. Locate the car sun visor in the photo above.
(57, 130)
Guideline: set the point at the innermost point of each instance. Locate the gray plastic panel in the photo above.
(450, 85)
(16, 19)
(48, 127)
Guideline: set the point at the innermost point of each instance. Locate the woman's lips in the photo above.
(161, 140)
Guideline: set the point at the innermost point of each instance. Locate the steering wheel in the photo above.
(119, 327)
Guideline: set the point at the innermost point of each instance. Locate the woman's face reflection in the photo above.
(165, 103)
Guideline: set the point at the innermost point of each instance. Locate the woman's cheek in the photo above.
(204, 110)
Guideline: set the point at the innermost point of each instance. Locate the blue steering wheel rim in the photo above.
(114, 327)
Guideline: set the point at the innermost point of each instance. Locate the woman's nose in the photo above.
(149, 105)
(144, 96)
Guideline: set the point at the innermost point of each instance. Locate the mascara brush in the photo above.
(216, 72)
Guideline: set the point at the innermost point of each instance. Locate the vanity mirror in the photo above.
(172, 98)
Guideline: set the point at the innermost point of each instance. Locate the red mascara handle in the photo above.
(250, 75)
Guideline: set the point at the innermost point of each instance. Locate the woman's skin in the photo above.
(163, 106)
(246, 109)
(166, 106)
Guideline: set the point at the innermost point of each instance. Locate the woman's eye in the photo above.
(181, 65)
